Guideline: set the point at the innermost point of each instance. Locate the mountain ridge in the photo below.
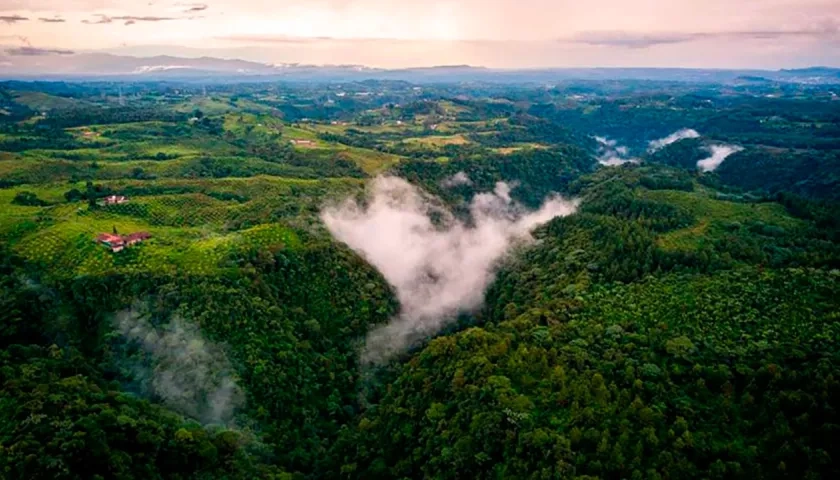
(111, 66)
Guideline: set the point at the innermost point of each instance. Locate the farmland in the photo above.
(670, 322)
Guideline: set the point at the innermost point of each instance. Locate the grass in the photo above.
(198, 225)
(271, 236)
(16, 220)
(371, 162)
(385, 128)
(80, 154)
(34, 170)
(42, 102)
(302, 133)
(715, 216)
(450, 108)
(191, 209)
(253, 107)
(241, 123)
(90, 136)
(437, 141)
(517, 147)
(66, 246)
(149, 149)
(53, 193)
(207, 105)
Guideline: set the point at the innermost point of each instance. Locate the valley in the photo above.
(676, 318)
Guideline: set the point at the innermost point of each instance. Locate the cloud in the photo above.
(180, 367)
(674, 137)
(126, 19)
(439, 269)
(502, 34)
(826, 29)
(51, 20)
(719, 153)
(101, 19)
(60, 5)
(458, 179)
(193, 7)
(629, 39)
(289, 39)
(10, 19)
(133, 20)
(611, 154)
(36, 52)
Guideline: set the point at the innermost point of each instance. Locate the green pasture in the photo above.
(211, 105)
(716, 216)
(65, 245)
(437, 141)
(42, 102)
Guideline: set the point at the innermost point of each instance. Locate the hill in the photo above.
(175, 301)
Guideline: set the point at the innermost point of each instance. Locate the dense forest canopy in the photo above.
(174, 303)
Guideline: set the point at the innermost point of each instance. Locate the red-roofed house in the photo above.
(133, 238)
(114, 242)
(114, 200)
(117, 242)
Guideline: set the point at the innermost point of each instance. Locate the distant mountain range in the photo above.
(34, 64)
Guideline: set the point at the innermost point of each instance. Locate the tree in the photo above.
(90, 194)
(73, 195)
(28, 199)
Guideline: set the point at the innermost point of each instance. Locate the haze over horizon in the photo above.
(498, 34)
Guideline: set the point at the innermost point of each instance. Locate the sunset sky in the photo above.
(493, 33)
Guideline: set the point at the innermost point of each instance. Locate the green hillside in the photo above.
(173, 306)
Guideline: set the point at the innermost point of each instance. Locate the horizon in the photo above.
(501, 34)
(210, 56)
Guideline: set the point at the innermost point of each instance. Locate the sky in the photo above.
(389, 33)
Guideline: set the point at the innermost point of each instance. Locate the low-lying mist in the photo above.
(438, 268)
(611, 154)
(190, 374)
(719, 153)
(672, 138)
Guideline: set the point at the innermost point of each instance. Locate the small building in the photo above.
(114, 200)
(303, 142)
(136, 237)
(118, 242)
(114, 242)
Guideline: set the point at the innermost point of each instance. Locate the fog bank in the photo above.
(672, 138)
(719, 154)
(458, 179)
(438, 269)
(190, 374)
(611, 154)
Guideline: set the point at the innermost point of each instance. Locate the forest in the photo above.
(677, 318)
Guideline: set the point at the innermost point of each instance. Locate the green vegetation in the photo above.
(613, 384)
(678, 325)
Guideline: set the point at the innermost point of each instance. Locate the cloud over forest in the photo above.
(438, 269)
